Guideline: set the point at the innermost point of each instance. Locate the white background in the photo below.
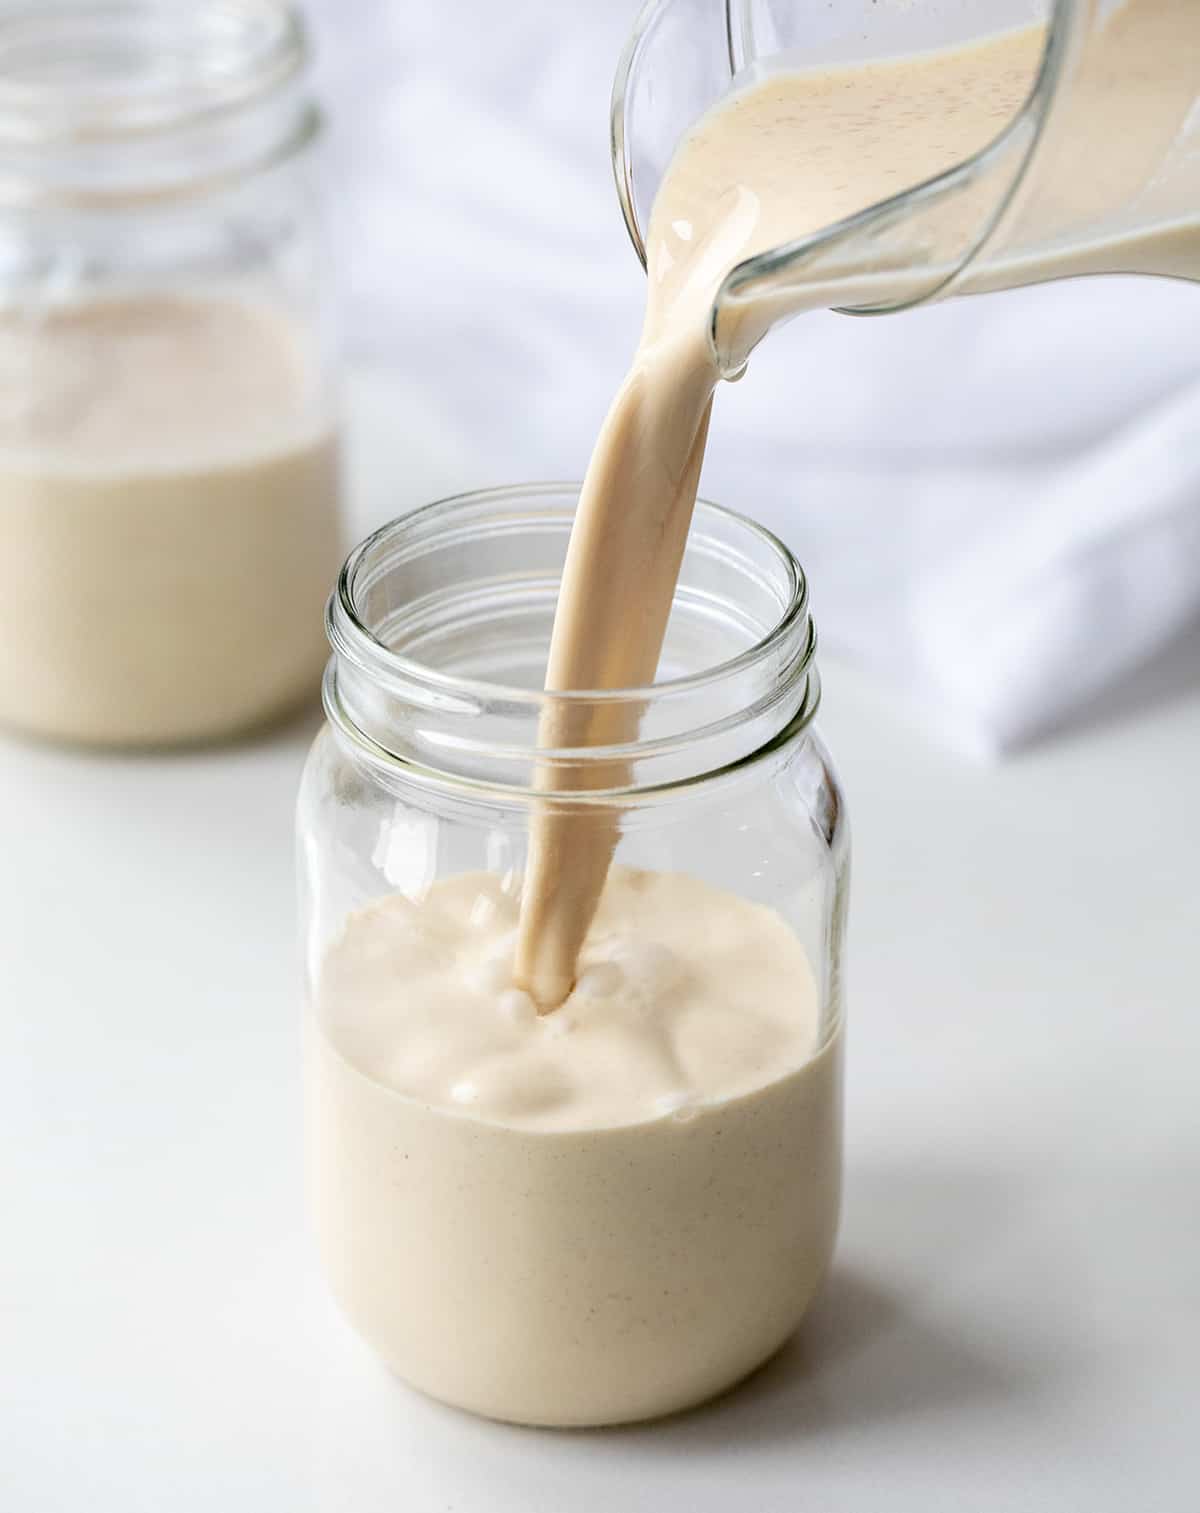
(1013, 1321)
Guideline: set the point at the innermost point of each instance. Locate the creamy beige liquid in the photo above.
(615, 1209)
(795, 153)
(786, 157)
(604, 1213)
(168, 520)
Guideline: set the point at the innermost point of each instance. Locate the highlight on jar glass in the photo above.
(168, 461)
(613, 1208)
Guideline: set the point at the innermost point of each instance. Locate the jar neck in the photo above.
(440, 625)
(119, 102)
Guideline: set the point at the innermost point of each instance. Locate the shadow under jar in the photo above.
(616, 1209)
(168, 470)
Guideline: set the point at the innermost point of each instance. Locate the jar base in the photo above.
(671, 1407)
(247, 725)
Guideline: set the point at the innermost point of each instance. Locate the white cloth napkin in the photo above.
(1006, 598)
(997, 500)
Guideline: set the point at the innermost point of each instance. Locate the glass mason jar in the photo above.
(168, 474)
(562, 1274)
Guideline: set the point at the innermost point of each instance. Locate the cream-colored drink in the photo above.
(168, 519)
(797, 151)
(604, 1213)
(787, 156)
(619, 1204)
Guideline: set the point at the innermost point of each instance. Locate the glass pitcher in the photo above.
(1098, 172)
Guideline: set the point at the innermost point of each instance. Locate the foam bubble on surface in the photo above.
(523, 1087)
(646, 963)
(489, 976)
(517, 1007)
(687, 995)
(602, 979)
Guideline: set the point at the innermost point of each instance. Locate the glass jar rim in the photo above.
(198, 63)
(351, 638)
(472, 735)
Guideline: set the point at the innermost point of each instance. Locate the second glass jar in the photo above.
(168, 461)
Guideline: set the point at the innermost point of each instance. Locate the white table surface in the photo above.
(1013, 1321)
